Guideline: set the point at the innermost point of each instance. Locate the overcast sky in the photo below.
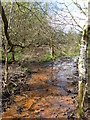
(59, 13)
(62, 17)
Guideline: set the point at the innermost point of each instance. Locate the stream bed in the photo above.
(50, 92)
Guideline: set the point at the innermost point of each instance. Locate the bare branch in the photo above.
(79, 7)
(72, 16)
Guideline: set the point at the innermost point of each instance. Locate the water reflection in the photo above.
(52, 72)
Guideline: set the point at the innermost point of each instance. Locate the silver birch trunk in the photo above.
(82, 66)
(89, 44)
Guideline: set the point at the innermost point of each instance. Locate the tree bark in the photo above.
(6, 64)
(83, 56)
(88, 44)
(52, 49)
(83, 65)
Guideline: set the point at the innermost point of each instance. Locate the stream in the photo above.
(51, 92)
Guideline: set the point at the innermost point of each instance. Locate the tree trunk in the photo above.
(6, 27)
(2, 12)
(83, 66)
(88, 58)
(51, 49)
(89, 44)
(6, 63)
(82, 73)
(82, 57)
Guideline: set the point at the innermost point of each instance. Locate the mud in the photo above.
(49, 91)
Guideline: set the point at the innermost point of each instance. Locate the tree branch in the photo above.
(79, 7)
(72, 16)
(2, 12)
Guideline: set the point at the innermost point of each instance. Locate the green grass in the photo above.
(18, 54)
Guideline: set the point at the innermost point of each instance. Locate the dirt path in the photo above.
(51, 92)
